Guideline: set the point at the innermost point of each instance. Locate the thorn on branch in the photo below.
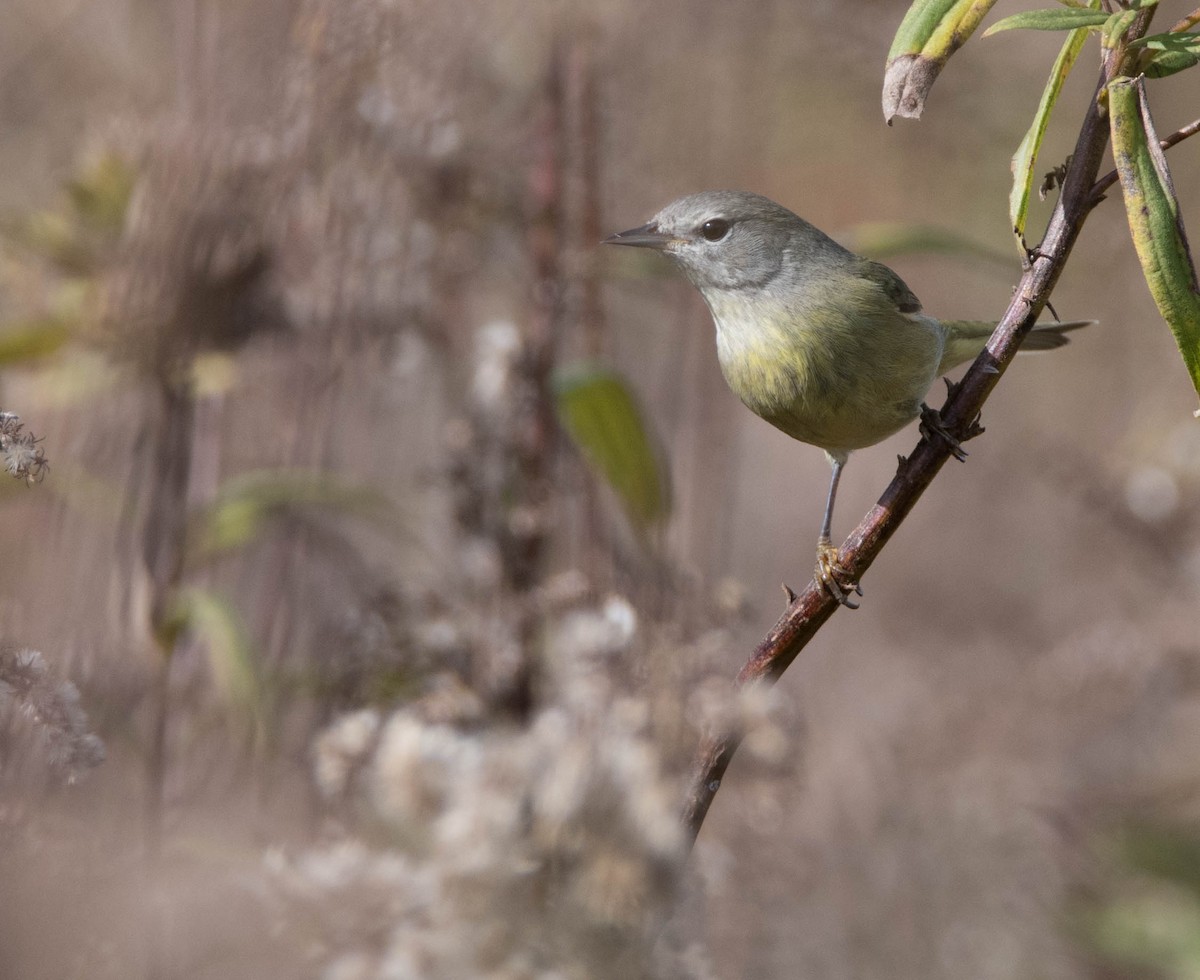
(932, 428)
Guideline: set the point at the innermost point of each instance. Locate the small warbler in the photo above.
(827, 346)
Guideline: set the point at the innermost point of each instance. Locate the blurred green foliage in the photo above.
(598, 411)
(73, 243)
(1149, 918)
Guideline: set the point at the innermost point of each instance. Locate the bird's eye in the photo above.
(714, 229)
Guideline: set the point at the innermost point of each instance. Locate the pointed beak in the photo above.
(646, 236)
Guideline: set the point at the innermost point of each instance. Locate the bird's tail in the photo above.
(966, 338)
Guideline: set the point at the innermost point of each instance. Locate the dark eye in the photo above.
(714, 229)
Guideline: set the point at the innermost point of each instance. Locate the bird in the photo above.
(829, 347)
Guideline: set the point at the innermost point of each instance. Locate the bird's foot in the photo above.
(932, 425)
(838, 582)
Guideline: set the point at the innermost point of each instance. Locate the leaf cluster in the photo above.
(933, 30)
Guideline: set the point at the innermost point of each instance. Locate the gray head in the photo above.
(730, 239)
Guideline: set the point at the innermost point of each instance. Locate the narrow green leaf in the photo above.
(1067, 19)
(930, 33)
(1116, 25)
(1167, 54)
(1186, 41)
(1025, 159)
(600, 414)
(1160, 64)
(918, 25)
(1154, 218)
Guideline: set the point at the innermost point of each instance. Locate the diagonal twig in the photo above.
(813, 607)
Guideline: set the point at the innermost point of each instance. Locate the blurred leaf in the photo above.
(1154, 218)
(1053, 19)
(77, 237)
(882, 240)
(101, 195)
(600, 414)
(930, 33)
(247, 505)
(1025, 159)
(213, 622)
(29, 340)
(53, 237)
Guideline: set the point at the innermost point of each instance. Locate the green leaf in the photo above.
(600, 414)
(1163, 63)
(930, 33)
(1167, 54)
(1067, 19)
(1154, 218)
(1025, 159)
(1188, 41)
(1116, 25)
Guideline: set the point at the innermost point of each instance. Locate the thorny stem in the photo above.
(810, 610)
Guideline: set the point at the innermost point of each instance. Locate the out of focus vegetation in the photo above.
(397, 547)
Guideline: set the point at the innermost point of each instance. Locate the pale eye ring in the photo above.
(714, 229)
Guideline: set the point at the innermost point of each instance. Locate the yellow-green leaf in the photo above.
(600, 414)
(1116, 25)
(930, 33)
(1054, 19)
(1025, 159)
(1154, 218)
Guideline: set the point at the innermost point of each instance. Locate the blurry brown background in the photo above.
(1023, 673)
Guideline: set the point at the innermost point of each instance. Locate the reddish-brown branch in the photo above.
(810, 610)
